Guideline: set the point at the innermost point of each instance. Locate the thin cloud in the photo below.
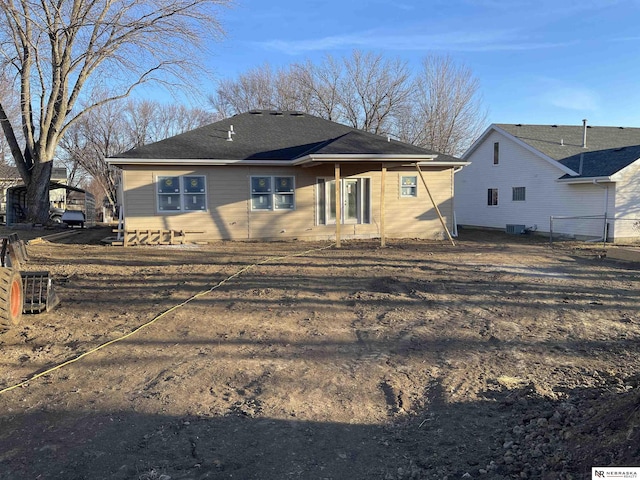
(452, 41)
(565, 7)
(633, 38)
(395, 4)
(570, 97)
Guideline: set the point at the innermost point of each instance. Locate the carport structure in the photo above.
(77, 199)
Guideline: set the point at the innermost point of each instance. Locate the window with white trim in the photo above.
(409, 186)
(182, 193)
(272, 192)
(492, 197)
(496, 153)
(519, 194)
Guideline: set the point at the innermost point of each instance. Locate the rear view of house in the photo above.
(284, 175)
(578, 181)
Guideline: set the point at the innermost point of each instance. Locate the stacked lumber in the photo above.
(154, 237)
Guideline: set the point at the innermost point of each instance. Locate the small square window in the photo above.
(283, 202)
(409, 186)
(168, 184)
(261, 202)
(193, 184)
(169, 202)
(260, 184)
(284, 184)
(519, 194)
(194, 202)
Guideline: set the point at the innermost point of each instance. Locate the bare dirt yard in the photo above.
(499, 358)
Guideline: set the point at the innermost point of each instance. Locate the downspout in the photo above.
(606, 207)
(454, 233)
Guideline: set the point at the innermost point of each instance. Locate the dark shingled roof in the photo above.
(608, 149)
(274, 135)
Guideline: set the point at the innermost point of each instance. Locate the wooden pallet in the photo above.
(155, 237)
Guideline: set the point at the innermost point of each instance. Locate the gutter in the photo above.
(190, 161)
(306, 161)
(593, 180)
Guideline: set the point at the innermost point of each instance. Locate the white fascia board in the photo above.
(575, 181)
(443, 164)
(422, 160)
(307, 160)
(522, 143)
(477, 143)
(176, 162)
(360, 157)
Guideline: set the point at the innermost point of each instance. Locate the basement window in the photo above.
(181, 193)
(272, 193)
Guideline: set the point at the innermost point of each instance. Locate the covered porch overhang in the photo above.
(385, 162)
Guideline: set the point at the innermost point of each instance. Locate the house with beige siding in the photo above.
(280, 175)
(577, 181)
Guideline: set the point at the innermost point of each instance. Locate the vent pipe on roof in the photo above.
(230, 134)
(584, 133)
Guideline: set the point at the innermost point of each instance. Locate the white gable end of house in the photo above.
(521, 167)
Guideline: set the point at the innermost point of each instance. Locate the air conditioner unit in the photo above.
(514, 229)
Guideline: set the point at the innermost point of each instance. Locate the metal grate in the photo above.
(38, 292)
(514, 229)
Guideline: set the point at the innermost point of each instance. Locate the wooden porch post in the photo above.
(338, 205)
(383, 182)
(444, 225)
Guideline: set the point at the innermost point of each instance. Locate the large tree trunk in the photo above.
(38, 193)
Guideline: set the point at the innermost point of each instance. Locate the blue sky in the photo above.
(538, 61)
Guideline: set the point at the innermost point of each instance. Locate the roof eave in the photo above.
(193, 161)
(427, 160)
(585, 180)
(358, 157)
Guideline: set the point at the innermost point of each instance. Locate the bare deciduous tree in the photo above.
(320, 86)
(252, 90)
(12, 110)
(362, 90)
(119, 126)
(372, 89)
(60, 49)
(438, 108)
(447, 113)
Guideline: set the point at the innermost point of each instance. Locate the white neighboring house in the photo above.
(577, 181)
